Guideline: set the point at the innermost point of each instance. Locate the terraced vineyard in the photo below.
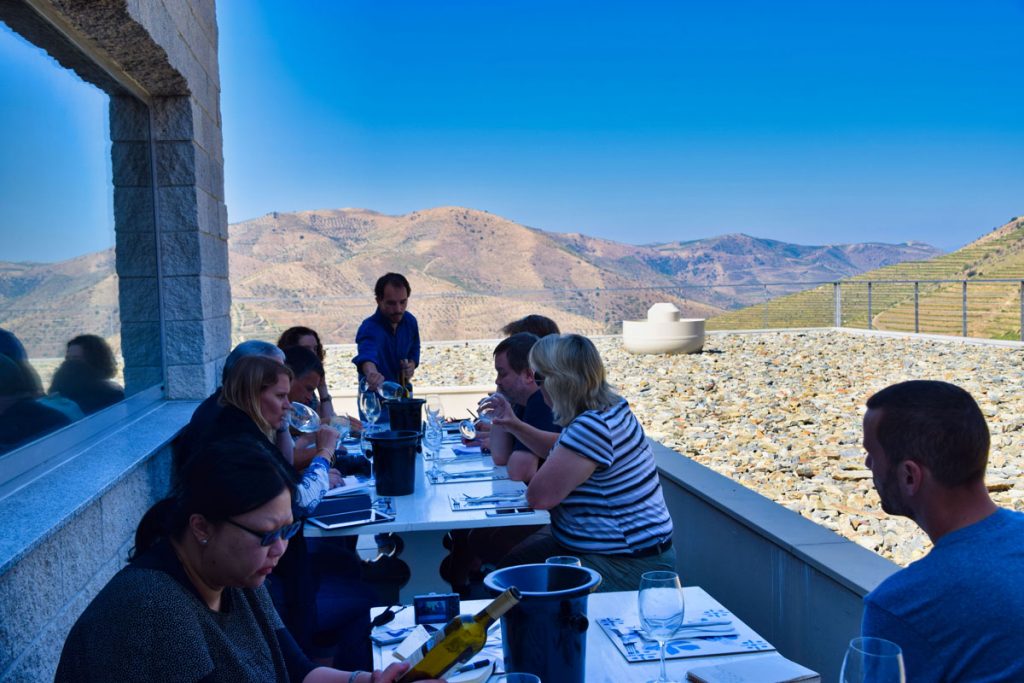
(993, 308)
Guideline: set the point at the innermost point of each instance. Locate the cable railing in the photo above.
(985, 308)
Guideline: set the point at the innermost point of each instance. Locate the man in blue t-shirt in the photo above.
(958, 613)
(523, 430)
(388, 342)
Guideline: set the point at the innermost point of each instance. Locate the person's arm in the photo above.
(563, 471)
(522, 465)
(388, 675)
(373, 377)
(326, 401)
(500, 442)
(504, 418)
(368, 343)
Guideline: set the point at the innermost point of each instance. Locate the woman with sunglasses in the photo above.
(255, 406)
(191, 605)
(599, 481)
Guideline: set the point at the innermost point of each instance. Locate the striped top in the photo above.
(620, 508)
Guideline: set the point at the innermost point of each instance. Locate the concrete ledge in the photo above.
(799, 584)
(65, 534)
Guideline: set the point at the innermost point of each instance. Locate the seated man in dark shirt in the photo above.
(522, 432)
(523, 429)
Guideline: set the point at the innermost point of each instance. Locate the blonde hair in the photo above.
(574, 376)
(246, 381)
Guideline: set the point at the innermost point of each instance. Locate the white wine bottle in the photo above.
(459, 640)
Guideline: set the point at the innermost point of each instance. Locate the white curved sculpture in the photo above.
(663, 332)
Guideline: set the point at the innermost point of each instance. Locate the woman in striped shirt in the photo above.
(599, 481)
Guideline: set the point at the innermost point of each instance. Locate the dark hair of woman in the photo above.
(229, 478)
(96, 352)
(292, 335)
(301, 361)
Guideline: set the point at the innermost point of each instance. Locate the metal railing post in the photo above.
(869, 305)
(917, 307)
(765, 307)
(964, 309)
(837, 301)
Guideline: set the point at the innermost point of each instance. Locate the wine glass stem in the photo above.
(663, 678)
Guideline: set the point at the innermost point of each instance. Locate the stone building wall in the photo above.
(66, 533)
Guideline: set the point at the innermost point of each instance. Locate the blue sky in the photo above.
(809, 122)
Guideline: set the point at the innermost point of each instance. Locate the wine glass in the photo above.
(661, 610)
(432, 439)
(873, 660)
(468, 430)
(391, 390)
(567, 560)
(303, 418)
(485, 409)
(435, 408)
(369, 403)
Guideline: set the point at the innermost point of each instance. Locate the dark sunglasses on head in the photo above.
(269, 537)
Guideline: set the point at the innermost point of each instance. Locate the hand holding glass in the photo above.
(303, 418)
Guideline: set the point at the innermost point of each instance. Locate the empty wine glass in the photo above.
(303, 418)
(391, 390)
(661, 610)
(468, 430)
(567, 560)
(435, 409)
(432, 439)
(873, 660)
(369, 403)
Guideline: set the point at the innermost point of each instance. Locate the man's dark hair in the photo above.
(301, 360)
(392, 279)
(936, 424)
(535, 324)
(517, 350)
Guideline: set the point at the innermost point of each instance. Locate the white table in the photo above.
(425, 516)
(603, 660)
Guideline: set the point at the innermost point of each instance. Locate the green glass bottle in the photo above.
(461, 638)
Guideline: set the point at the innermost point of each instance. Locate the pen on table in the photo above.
(472, 666)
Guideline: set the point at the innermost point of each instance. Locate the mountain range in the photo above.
(471, 272)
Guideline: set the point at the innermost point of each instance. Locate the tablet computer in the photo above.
(340, 520)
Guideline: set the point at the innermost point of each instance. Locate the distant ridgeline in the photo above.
(993, 309)
(472, 271)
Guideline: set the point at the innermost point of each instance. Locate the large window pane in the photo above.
(58, 282)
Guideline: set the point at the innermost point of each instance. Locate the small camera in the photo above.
(435, 608)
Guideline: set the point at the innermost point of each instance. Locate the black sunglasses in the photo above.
(269, 537)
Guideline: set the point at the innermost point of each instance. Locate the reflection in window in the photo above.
(60, 335)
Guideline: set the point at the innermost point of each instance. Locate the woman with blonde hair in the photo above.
(255, 401)
(599, 481)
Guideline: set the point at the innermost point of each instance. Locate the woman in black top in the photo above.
(191, 605)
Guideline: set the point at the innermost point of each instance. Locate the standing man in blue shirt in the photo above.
(957, 613)
(389, 340)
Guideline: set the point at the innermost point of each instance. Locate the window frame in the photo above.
(56, 38)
